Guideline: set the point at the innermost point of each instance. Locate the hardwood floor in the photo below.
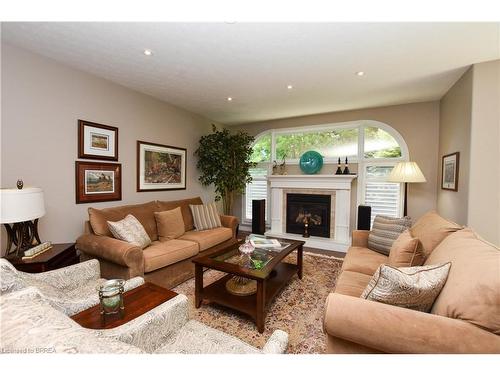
(338, 254)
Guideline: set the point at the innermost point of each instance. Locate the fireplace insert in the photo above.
(313, 208)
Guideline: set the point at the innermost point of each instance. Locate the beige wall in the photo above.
(41, 103)
(418, 123)
(454, 135)
(484, 180)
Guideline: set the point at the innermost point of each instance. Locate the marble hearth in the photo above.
(338, 187)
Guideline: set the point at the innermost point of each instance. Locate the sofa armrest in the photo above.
(360, 238)
(68, 277)
(395, 329)
(277, 343)
(116, 251)
(150, 330)
(230, 222)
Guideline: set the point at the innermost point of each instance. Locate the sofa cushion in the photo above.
(30, 325)
(385, 231)
(205, 216)
(363, 260)
(130, 230)
(352, 283)
(208, 238)
(143, 212)
(162, 254)
(431, 229)
(406, 252)
(170, 224)
(414, 288)
(472, 292)
(184, 205)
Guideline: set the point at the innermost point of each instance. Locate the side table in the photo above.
(137, 301)
(59, 256)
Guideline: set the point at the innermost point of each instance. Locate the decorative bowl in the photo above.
(311, 162)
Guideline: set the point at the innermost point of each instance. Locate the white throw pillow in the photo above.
(130, 230)
(205, 216)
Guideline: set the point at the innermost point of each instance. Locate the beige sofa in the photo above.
(166, 263)
(465, 317)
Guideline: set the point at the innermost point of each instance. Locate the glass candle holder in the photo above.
(111, 297)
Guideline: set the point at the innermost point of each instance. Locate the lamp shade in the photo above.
(406, 171)
(18, 205)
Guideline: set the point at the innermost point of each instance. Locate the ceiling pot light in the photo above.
(148, 52)
(289, 87)
(360, 74)
(229, 98)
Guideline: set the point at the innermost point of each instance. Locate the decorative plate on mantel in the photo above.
(311, 162)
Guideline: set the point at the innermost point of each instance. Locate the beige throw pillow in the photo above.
(385, 231)
(205, 216)
(431, 229)
(170, 224)
(415, 288)
(405, 251)
(130, 230)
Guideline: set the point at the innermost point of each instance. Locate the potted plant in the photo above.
(224, 160)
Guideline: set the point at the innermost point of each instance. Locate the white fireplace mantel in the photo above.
(337, 185)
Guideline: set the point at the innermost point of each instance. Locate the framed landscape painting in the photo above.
(98, 182)
(160, 167)
(97, 141)
(450, 171)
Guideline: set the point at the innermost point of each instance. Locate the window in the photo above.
(375, 148)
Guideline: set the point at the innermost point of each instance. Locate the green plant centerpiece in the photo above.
(224, 161)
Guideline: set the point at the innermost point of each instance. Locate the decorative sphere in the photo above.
(311, 162)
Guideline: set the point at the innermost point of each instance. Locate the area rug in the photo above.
(298, 309)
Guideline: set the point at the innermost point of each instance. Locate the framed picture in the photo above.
(450, 171)
(97, 141)
(160, 167)
(98, 182)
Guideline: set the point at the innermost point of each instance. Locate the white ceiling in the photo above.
(196, 66)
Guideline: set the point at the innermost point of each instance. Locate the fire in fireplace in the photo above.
(313, 208)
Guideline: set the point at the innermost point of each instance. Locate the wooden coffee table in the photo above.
(270, 279)
(136, 301)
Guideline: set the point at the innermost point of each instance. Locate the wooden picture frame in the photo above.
(98, 182)
(97, 141)
(449, 171)
(160, 167)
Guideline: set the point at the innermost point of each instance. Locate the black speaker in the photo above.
(364, 217)
(258, 216)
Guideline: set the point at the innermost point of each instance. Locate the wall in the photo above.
(418, 123)
(41, 103)
(454, 135)
(484, 180)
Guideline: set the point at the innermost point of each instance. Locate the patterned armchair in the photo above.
(30, 324)
(71, 289)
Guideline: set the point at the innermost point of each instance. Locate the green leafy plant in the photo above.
(224, 161)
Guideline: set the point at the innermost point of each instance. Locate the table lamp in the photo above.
(406, 171)
(22, 208)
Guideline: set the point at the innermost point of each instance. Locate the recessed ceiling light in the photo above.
(148, 52)
(229, 98)
(360, 74)
(289, 87)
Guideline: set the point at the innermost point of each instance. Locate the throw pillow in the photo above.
(130, 230)
(415, 288)
(205, 216)
(170, 224)
(405, 251)
(431, 229)
(385, 231)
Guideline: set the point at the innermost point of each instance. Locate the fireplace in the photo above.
(315, 208)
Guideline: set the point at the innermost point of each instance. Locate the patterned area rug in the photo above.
(298, 309)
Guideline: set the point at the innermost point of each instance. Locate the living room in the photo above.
(327, 196)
